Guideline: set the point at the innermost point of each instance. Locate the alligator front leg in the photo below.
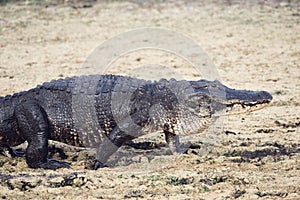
(33, 125)
(173, 141)
(109, 146)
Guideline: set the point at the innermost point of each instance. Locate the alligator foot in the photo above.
(99, 164)
(54, 164)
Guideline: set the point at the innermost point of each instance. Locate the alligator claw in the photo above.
(54, 164)
(17, 153)
(11, 153)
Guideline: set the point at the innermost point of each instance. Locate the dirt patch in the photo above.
(255, 46)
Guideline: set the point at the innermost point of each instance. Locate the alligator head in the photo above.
(227, 101)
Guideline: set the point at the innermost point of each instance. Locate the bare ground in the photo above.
(255, 46)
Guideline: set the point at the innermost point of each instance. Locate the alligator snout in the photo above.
(265, 96)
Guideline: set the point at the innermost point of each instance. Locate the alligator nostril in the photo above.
(265, 95)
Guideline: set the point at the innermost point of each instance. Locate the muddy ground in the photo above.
(255, 45)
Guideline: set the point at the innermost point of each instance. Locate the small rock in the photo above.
(78, 182)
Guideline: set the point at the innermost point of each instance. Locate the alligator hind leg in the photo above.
(33, 125)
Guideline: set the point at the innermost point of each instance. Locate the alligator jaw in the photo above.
(248, 101)
(240, 107)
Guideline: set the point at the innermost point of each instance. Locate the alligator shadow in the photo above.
(249, 156)
(137, 152)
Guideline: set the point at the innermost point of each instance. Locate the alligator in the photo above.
(106, 111)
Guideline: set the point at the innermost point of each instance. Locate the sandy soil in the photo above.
(255, 46)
